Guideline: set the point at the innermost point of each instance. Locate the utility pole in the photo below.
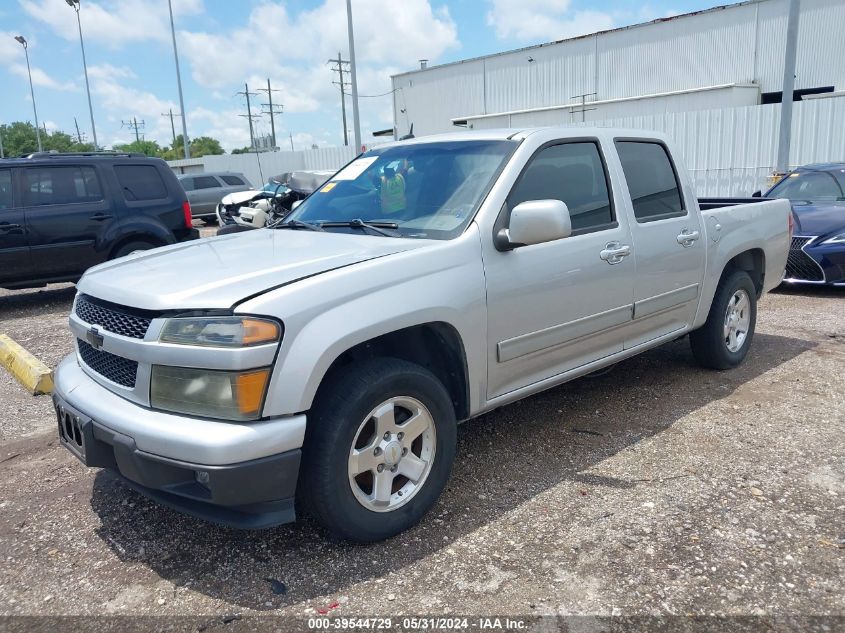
(134, 125)
(583, 109)
(341, 67)
(355, 118)
(187, 145)
(271, 110)
(172, 125)
(290, 134)
(785, 137)
(78, 134)
(249, 115)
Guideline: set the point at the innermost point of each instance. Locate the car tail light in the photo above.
(186, 209)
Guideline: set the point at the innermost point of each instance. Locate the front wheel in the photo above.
(724, 339)
(378, 450)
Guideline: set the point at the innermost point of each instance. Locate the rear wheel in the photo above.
(378, 450)
(725, 338)
(131, 247)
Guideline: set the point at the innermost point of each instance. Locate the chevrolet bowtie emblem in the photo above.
(94, 338)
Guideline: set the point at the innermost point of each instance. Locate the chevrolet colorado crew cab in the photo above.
(323, 365)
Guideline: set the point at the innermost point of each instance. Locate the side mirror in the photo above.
(295, 204)
(757, 194)
(535, 222)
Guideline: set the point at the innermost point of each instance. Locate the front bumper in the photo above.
(813, 262)
(242, 481)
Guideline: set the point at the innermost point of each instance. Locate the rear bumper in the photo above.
(226, 473)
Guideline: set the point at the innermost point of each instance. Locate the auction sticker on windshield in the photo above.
(355, 168)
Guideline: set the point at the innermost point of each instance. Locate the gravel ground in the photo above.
(658, 488)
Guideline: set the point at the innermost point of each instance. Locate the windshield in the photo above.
(427, 190)
(811, 185)
(272, 187)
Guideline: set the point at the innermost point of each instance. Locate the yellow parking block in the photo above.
(29, 371)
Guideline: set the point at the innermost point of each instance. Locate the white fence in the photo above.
(258, 168)
(729, 151)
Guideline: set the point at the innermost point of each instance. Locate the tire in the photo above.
(720, 344)
(345, 418)
(131, 247)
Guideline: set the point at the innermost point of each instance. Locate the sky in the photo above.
(224, 44)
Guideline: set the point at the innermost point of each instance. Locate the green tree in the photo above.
(19, 139)
(149, 148)
(242, 150)
(205, 146)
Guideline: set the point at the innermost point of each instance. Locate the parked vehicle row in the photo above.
(328, 360)
(63, 213)
(817, 193)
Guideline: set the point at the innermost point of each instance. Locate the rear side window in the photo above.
(234, 181)
(44, 186)
(205, 182)
(654, 187)
(140, 182)
(573, 173)
(5, 189)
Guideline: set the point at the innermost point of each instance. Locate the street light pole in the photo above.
(22, 41)
(179, 81)
(355, 118)
(74, 4)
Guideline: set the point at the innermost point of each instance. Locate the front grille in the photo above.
(115, 368)
(799, 265)
(112, 319)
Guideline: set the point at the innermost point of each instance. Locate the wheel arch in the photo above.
(437, 346)
(134, 237)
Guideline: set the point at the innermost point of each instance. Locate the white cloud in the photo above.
(113, 23)
(544, 20)
(12, 57)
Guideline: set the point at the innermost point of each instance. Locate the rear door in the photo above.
(206, 194)
(668, 241)
(66, 212)
(14, 250)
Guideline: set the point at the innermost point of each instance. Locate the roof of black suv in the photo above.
(76, 155)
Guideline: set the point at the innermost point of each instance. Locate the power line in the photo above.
(249, 115)
(271, 110)
(341, 67)
(133, 124)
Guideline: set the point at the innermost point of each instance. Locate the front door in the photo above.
(668, 240)
(14, 251)
(66, 213)
(558, 305)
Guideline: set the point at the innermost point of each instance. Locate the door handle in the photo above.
(687, 238)
(100, 217)
(614, 252)
(6, 227)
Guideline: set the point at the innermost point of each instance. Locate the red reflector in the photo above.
(186, 209)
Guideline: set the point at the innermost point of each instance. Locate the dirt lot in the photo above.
(657, 488)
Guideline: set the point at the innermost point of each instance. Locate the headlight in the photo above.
(836, 239)
(220, 331)
(209, 393)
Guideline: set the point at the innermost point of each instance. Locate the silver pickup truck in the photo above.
(324, 364)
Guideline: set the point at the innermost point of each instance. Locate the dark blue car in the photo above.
(817, 193)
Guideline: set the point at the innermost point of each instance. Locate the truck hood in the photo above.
(218, 272)
(818, 218)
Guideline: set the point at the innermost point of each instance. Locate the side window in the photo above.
(140, 182)
(573, 173)
(652, 182)
(187, 184)
(205, 182)
(5, 189)
(44, 186)
(234, 181)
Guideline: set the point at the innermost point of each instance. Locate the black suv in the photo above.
(60, 214)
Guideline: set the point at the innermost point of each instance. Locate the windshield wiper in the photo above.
(299, 224)
(358, 223)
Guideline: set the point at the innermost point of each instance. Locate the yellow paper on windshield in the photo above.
(328, 187)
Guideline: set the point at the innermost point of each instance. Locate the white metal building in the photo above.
(711, 79)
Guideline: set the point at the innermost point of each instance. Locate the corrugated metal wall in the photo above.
(737, 44)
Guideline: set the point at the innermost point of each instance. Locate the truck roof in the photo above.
(501, 134)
